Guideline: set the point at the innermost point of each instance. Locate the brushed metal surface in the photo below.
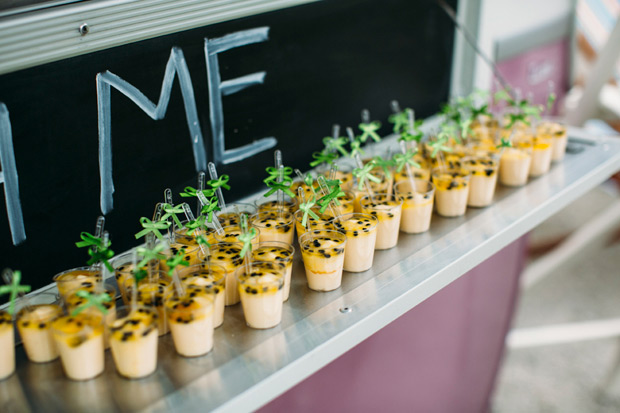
(247, 368)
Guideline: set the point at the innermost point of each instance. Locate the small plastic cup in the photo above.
(514, 164)
(559, 138)
(133, 341)
(228, 255)
(451, 191)
(233, 232)
(7, 345)
(192, 255)
(451, 161)
(81, 277)
(229, 215)
(274, 226)
(271, 203)
(361, 232)
(73, 301)
(279, 252)
(417, 206)
(379, 187)
(542, 153)
(34, 324)
(482, 181)
(388, 210)
(152, 293)
(80, 343)
(123, 273)
(261, 293)
(210, 277)
(423, 172)
(191, 321)
(323, 223)
(323, 255)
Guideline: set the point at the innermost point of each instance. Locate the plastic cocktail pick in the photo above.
(218, 190)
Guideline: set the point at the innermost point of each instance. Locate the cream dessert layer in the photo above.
(34, 325)
(79, 341)
(124, 277)
(514, 166)
(541, 156)
(228, 255)
(191, 322)
(261, 294)
(482, 180)
(274, 226)
(7, 345)
(417, 206)
(70, 280)
(133, 341)
(187, 237)
(347, 206)
(323, 256)
(282, 254)
(361, 232)
(388, 210)
(211, 278)
(451, 191)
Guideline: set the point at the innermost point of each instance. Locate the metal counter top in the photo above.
(247, 368)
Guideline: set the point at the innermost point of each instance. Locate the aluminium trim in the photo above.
(46, 36)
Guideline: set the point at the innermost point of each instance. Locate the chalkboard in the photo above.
(324, 62)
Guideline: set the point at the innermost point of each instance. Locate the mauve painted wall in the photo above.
(442, 356)
(531, 71)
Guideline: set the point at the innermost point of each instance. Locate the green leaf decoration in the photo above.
(176, 260)
(306, 207)
(402, 159)
(272, 181)
(504, 143)
(92, 300)
(385, 164)
(246, 238)
(400, 121)
(14, 289)
(172, 212)
(550, 101)
(356, 148)
(364, 173)
(221, 182)
(192, 192)
(369, 130)
(208, 209)
(156, 253)
(323, 158)
(88, 240)
(152, 227)
(335, 144)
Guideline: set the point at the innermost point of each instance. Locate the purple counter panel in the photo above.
(442, 356)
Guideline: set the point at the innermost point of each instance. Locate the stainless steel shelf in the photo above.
(247, 368)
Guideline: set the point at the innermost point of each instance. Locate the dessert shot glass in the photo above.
(260, 288)
(323, 255)
(417, 205)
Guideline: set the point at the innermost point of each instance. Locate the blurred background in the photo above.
(563, 352)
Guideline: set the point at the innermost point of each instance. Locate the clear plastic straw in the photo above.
(168, 200)
(280, 168)
(335, 131)
(360, 165)
(365, 116)
(395, 106)
(403, 149)
(201, 187)
(243, 223)
(134, 290)
(218, 190)
(105, 273)
(189, 215)
(302, 199)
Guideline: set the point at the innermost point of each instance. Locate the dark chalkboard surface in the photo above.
(324, 61)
